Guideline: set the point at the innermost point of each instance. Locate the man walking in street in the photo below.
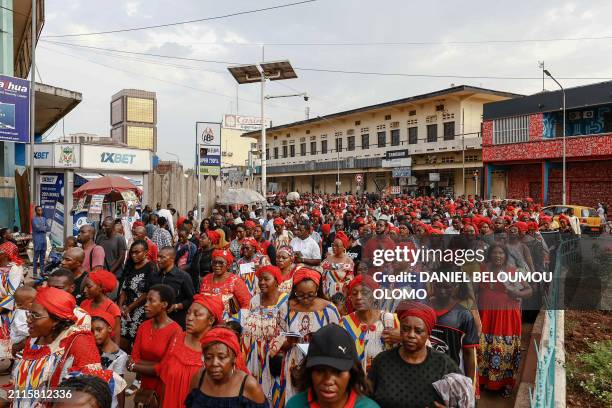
(114, 247)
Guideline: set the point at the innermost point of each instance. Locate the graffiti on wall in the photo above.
(587, 121)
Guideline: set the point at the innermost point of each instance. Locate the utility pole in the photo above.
(33, 106)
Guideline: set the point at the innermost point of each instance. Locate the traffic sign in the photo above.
(396, 189)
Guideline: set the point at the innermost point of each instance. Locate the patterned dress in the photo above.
(11, 277)
(134, 286)
(368, 339)
(249, 278)
(231, 286)
(43, 367)
(262, 339)
(304, 323)
(336, 275)
(499, 354)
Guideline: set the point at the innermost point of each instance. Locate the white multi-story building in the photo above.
(428, 143)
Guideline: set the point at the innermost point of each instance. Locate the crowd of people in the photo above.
(274, 307)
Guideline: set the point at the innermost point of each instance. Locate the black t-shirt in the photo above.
(454, 330)
(78, 288)
(354, 253)
(182, 284)
(399, 384)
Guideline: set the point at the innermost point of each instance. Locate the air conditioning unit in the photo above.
(575, 115)
(588, 114)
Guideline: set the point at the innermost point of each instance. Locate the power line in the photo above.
(329, 70)
(140, 74)
(13, 11)
(240, 13)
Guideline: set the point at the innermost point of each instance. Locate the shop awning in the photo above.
(52, 104)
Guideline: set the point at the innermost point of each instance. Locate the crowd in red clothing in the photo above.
(165, 297)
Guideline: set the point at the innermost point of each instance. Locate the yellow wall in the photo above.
(231, 141)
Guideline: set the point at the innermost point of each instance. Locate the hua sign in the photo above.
(14, 109)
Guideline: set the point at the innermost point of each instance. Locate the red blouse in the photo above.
(176, 369)
(231, 285)
(151, 345)
(108, 306)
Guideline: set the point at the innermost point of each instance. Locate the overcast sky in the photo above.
(190, 91)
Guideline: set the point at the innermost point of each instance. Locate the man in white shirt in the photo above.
(574, 221)
(455, 227)
(306, 249)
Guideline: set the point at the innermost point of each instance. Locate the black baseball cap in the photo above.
(331, 346)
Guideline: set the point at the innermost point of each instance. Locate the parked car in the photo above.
(589, 220)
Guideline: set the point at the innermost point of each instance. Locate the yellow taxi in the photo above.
(589, 220)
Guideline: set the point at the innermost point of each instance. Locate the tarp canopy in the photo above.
(240, 196)
(106, 185)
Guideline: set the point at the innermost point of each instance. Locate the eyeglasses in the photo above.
(304, 296)
(34, 315)
(218, 263)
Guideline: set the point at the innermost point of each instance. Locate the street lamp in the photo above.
(563, 93)
(248, 74)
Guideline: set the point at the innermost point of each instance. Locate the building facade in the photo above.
(133, 118)
(426, 144)
(523, 146)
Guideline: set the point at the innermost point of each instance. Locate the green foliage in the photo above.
(592, 371)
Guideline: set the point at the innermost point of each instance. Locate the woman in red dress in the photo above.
(499, 304)
(222, 282)
(184, 356)
(153, 337)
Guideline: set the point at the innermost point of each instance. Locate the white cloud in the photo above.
(132, 8)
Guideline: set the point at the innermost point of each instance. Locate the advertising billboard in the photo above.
(14, 109)
(208, 141)
(244, 123)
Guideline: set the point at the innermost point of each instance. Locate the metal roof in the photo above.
(549, 101)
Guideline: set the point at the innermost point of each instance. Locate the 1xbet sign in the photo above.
(117, 158)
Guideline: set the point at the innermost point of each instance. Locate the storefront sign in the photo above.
(66, 155)
(405, 162)
(43, 155)
(244, 123)
(14, 109)
(401, 172)
(51, 200)
(396, 154)
(115, 158)
(434, 176)
(208, 139)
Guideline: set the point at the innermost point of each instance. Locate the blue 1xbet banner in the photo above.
(14, 109)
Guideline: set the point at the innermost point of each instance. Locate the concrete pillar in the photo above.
(68, 200)
(8, 194)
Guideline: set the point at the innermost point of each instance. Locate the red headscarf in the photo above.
(180, 221)
(417, 309)
(305, 273)
(278, 221)
(365, 280)
(272, 270)
(344, 239)
(227, 337)
(252, 242)
(138, 224)
(105, 279)
(564, 217)
(522, 226)
(222, 253)
(213, 303)
(57, 302)
(249, 224)
(213, 236)
(326, 228)
(104, 315)
(14, 258)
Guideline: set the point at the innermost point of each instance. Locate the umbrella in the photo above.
(106, 185)
(293, 196)
(240, 196)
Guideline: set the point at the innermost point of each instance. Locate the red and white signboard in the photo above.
(359, 178)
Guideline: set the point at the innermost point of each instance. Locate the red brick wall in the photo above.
(487, 132)
(519, 179)
(536, 127)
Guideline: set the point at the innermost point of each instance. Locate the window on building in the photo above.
(284, 151)
(302, 149)
(267, 153)
(413, 135)
(338, 144)
(471, 158)
(432, 133)
(351, 143)
(449, 130)
(365, 141)
(292, 150)
(140, 110)
(382, 139)
(142, 137)
(323, 146)
(511, 130)
(395, 137)
(448, 159)
(116, 111)
(313, 148)
(276, 152)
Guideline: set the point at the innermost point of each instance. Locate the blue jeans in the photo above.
(39, 258)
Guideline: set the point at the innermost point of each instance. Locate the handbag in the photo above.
(146, 399)
(233, 306)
